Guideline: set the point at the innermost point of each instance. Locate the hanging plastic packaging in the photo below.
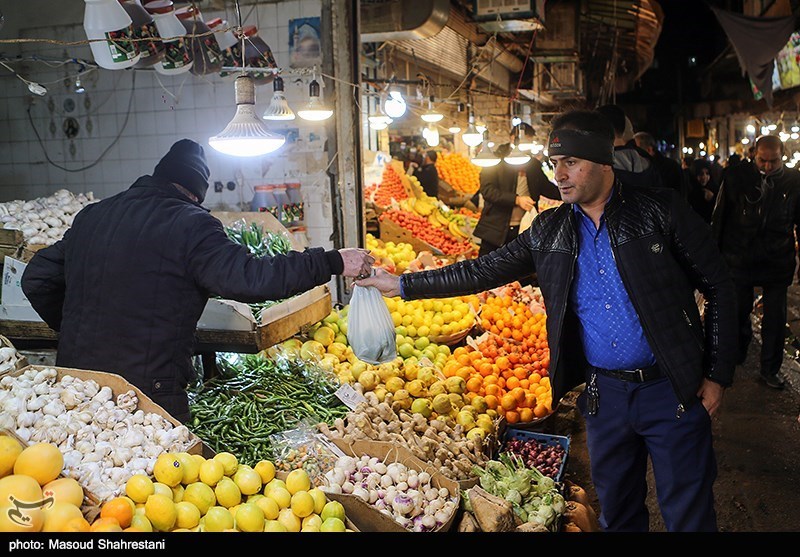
(151, 48)
(206, 54)
(370, 329)
(226, 41)
(257, 54)
(109, 28)
(177, 58)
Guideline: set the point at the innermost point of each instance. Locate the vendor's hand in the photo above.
(710, 394)
(708, 194)
(357, 262)
(525, 202)
(386, 282)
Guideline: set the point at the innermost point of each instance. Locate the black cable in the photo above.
(107, 149)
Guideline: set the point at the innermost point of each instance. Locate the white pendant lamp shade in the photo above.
(486, 158)
(379, 121)
(431, 116)
(246, 135)
(278, 108)
(454, 129)
(315, 110)
(395, 105)
(516, 157)
(471, 136)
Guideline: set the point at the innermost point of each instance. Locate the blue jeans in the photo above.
(637, 420)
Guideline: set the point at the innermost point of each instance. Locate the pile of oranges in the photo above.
(511, 319)
(459, 172)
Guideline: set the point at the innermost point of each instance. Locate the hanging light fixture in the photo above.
(454, 129)
(395, 105)
(431, 135)
(278, 108)
(245, 135)
(379, 121)
(517, 157)
(431, 115)
(472, 137)
(485, 158)
(315, 110)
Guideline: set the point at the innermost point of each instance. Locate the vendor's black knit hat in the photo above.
(185, 164)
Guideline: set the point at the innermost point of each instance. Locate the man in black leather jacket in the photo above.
(127, 284)
(755, 222)
(618, 267)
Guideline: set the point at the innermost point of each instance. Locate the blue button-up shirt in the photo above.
(610, 329)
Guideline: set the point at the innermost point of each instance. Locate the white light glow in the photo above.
(745, 141)
(516, 157)
(454, 129)
(516, 121)
(395, 105)
(485, 159)
(431, 135)
(750, 128)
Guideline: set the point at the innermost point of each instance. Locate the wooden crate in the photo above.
(393, 232)
(11, 237)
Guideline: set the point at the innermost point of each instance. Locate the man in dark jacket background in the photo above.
(755, 222)
(618, 267)
(631, 165)
(127, 284)
(672, 175)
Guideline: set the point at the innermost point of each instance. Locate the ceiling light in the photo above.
(516, 157)
(278, 108)
(246, 135)
(481, 128)
(485, 158)
(379, 119)
(378, 126)
(472, 137)
(516, 121)
(78, 87)
(394, 106)
(315, 110)
(750, 128)
(454, 129)
(431, 135)
(431, 115)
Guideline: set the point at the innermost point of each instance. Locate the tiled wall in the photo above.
(116, 145)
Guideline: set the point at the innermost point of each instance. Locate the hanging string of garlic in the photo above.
(44, 220)
(104, 440)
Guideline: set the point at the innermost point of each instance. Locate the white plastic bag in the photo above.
(370, 329)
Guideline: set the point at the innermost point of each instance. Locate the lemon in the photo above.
(190, 467)
(302, 504)
(248, 480)
(227, 492)
(281, 496)
(168, 469)
(274, 526)
(200, 459)
(177, 493)
(319, 499)
(312, 521)
(332, 524)
(253, 498)
(250, 518)
(229, 462)
(289, 520)
(163, 489)
(332, 509)
(275, 482)
(201, 495)
(142, 523)
(265, 469)
(57, 515)
(41, 461)
(218, 519)
(160, 511)
(10, 449)
(187, 515)
(298, 480)
(269, 507)
(139, 487)
(66, 490)
(211, 471)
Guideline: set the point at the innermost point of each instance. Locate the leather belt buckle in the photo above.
(639, 374)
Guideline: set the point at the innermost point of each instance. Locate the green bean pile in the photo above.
(239, 410)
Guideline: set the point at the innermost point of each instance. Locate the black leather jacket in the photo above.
(664, 252)
(755, 226)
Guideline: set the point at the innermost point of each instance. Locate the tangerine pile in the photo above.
(510, 318)
(459, 172)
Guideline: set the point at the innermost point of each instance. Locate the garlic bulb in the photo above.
(44, 220)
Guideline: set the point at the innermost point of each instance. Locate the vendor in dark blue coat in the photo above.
(127, 284)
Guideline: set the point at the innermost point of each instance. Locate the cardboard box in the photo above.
(265, 219)
(366, 517)
(14, 305)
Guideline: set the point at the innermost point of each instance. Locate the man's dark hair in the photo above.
(432, 155)
(586, 120)
(645, 140)
(770, 141)
(615, 115)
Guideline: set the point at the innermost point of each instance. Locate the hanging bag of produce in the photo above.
(370, 329)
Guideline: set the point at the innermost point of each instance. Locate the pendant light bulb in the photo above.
(485, 158)
(246, 135)
(472, 137)
(395, 105)
(454, 129)
(315, 110)
(516, 157)
(278, 108)
(431, 116)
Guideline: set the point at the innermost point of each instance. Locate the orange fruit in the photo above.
(491, 389)
(525, 415)
(118, 509)
(518, 393)
(464, 359)
(535, 378)
(491, 401)
(474, 383)
(464, 372)
(502, 363)
(508, 402)
(512, 417)
(512, 383)
(540, 411)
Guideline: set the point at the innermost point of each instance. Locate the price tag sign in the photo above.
(349, 396)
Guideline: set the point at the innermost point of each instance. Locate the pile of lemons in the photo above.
(34, 496)
(191, 493)
(432, 317)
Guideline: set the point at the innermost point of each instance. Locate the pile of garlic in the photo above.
(46, 219)
(104, 441)
(8, 358)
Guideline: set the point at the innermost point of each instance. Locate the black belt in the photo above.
(636, 375)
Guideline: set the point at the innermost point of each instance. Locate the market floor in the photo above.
(757, 442)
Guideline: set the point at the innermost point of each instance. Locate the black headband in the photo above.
(581, 144)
